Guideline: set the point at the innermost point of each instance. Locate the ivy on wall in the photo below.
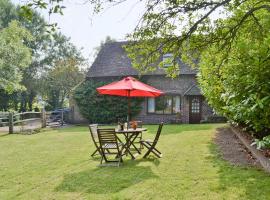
(103, 108)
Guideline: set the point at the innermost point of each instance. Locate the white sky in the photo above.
(87, 31)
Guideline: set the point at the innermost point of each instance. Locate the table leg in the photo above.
(127, 145)
(132, 143)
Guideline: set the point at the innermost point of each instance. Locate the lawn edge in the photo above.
(265, 162)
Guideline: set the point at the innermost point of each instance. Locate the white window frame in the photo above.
(167, 60)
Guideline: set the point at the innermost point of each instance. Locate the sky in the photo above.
(87, 31)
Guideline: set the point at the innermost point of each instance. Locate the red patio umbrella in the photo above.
(129, 87)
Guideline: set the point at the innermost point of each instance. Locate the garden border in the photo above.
(265, 162)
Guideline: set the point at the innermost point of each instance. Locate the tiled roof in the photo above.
(112, 60)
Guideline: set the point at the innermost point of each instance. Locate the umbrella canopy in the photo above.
(129, 87)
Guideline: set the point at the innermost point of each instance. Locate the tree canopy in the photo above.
(47, 50)
(183, 27)
(15, 56)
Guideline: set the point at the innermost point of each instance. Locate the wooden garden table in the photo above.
(130, 136)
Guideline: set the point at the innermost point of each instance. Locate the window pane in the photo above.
(159, 105)
(176, 104)
(167, 105)
(167, 59)
(195, 105)
(151, 105)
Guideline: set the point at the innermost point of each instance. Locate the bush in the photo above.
(261, 144)
(239, 87)
(103, 108)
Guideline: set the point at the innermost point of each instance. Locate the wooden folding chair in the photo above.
(94, 135)
(109, 145)
(151, 145)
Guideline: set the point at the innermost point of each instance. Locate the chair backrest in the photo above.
(93, 131)
(158, 133)
(106, 136)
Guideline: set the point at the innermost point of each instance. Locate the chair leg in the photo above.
(157, 154)
(152, 149)
(94, 153)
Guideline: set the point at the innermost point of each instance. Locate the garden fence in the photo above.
(29, 121)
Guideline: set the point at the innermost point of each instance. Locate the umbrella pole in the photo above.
(129, 113)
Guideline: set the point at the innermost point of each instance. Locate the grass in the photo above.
(55, 164)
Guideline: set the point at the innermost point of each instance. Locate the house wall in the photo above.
(75, 116)
(176, 86)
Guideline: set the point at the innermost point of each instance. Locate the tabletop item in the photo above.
(120, 126)
(126, 125)
(134, 125)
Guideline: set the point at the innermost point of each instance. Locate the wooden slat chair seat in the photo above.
(109, 145)
(151, 144)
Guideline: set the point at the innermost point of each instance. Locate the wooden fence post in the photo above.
(43, 118)
(62, 117)
(10, 122)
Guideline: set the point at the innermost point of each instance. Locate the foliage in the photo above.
(60, 80)
(239, 86)
(264, 143)
(14, 56)
(184, 28)
(103, 108)
(47, 50)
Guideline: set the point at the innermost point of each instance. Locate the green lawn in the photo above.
(55, 164)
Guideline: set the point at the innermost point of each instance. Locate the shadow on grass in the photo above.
(103, 180)
(4, 134)
(253, 181)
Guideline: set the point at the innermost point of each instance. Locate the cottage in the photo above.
(183, 102)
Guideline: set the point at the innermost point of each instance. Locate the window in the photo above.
(167, 105)
(195, 106)
(159, 105)
(164, 105)
(176, 104)
(167, 60)
(151, 105)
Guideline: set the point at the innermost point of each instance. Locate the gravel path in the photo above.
(233, 150)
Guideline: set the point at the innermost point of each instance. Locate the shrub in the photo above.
(239, 87)
(261, 144)
(103, 108)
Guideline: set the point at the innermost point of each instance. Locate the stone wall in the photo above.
(75, 116)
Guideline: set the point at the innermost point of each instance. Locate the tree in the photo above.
(14, 56)
(182, 27)
(61, 80)
(46, 51)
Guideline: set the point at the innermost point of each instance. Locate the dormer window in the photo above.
(167, 60)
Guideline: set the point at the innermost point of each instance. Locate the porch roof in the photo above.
(193, 90)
